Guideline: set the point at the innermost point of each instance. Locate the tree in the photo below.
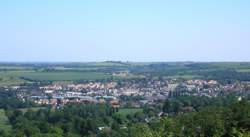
(167, 106)
(142, 130)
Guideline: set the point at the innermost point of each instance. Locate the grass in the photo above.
(4, 122)
(127, 111)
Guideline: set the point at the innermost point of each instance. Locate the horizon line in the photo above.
(114, 61)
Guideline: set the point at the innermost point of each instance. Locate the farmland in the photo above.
(15, 74)
(17, 77)
(64, 76)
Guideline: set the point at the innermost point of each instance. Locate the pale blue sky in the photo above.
(126, 30)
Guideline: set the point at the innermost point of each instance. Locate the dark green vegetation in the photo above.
(14, 74)
(4, 122)
(210, 118)
(8, 99)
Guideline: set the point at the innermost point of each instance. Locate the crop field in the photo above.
(4, 122)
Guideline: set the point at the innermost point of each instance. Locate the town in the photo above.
(141, 92)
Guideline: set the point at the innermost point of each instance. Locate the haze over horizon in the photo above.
(140, 31)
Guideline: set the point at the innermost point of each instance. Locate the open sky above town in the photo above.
(125, 30)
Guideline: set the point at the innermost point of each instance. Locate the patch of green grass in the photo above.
(127, 111)
(4, 122)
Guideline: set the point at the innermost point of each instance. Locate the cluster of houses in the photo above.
(142, 92)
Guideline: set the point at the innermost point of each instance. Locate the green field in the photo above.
(15, 74)
(127, 111)
(64, 76)
(4, 122)
(16, 77)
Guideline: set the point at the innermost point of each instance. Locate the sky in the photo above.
(124, 30)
